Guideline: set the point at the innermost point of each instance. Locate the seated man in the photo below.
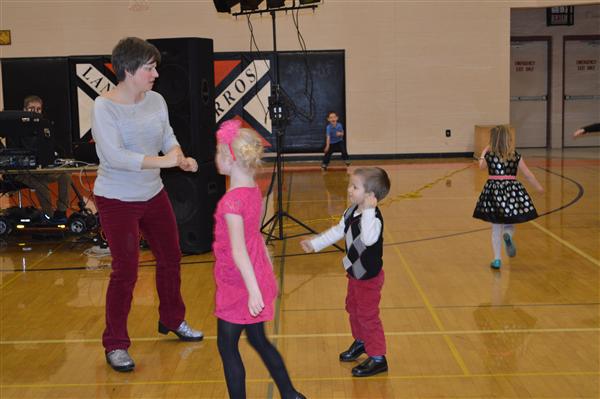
(40, 182)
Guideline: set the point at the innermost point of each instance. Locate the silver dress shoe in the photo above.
(184, 332)
(120, 360)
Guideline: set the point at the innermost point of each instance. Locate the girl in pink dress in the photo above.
(246, 285)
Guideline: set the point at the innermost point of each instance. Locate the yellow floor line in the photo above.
(433, 313)
(410, 195)
(10, 280)
(313, 379)
(33, 265)
(325, 335)
(567, 244)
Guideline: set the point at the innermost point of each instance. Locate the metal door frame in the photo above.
(548, 40)
(565, 39)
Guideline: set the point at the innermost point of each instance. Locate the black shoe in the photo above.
(299, 396)
(370, 367)
(354, 351)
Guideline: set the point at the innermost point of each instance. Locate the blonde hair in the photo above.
(501, 142)
(247, 147)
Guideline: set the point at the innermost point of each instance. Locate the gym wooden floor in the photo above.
(455, 328)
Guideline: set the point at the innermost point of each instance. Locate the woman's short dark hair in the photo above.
(130, 54)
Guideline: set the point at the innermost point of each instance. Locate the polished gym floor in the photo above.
(454, 327)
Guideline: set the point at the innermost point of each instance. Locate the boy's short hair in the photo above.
(32, 99)
(332, 112)
(130, 54)
(375, 180)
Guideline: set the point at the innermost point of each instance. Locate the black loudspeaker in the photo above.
(48, 78)
(225, 5)
(194, 197)
(186, 81)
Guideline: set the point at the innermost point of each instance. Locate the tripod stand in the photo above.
(278, 112)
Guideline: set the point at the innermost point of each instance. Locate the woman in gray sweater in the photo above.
(130, 125)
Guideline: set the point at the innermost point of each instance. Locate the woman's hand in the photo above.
(173, 158)
(255, 303)
(326, 149)
(189, 164)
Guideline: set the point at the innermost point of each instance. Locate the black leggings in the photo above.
(228, 336)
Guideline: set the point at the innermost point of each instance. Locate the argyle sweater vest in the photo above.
(361, 262)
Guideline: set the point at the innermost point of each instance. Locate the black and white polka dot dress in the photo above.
(504, 201)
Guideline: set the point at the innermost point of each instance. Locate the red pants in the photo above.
(122, 222)
(362, 305)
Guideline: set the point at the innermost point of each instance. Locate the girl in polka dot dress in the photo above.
(504, 201)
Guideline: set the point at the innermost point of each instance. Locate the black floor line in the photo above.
(151, 263)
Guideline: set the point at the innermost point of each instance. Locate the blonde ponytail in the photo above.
(248, 148)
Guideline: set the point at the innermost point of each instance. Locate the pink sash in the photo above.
(501, 177)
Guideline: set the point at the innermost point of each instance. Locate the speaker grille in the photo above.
(194, 197)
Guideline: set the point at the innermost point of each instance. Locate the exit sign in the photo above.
(561, 15)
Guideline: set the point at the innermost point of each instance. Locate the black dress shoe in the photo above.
(353, 352)
(370, 367)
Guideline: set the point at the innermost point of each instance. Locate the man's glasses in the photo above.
(34, 109)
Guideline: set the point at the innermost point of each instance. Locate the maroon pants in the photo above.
(122, 222)
(362, 305)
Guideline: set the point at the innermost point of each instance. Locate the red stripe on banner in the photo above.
(246, 125)
(109, 66)
(224, 68)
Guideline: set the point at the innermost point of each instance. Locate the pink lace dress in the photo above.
(231, 301)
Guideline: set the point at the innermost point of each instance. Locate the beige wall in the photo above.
(413, 68)
(532, 22)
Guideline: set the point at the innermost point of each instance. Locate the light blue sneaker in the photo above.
(511, 250)
(496, 263)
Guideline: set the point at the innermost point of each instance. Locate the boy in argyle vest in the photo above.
(362, 227)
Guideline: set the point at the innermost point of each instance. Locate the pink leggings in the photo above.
(122, 223)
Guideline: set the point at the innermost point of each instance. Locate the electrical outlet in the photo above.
(448, 132)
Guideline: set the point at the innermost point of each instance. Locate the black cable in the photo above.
(89, 187)
(308, 81)
(273, 173)
(253, 40)
(288, 102)
(286, 99)
(260, 54)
